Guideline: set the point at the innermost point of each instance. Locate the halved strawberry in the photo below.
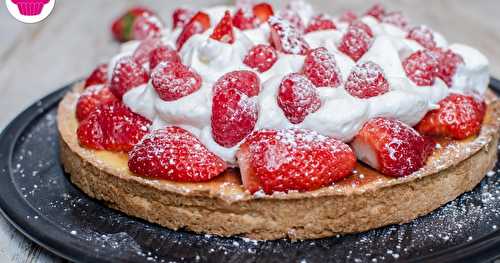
(423, 35)
(112, 127)
(243, 80)
(122, 26)
(397, 19)
(198, 24)
(261, 57)
(234, 115)
(181, 16)
(91, 98)
(348, 16)
(143, 51)
(320, 22)
(263, 11)
(147, 25)
(367, 80)
(356, 41)
(421, 67)
(448, 63)
(163, 53)
(295, 159)
(392, 147)
(321, 68)
(173, 80)
(458, 117)
(223, 31)
(127, 74)
(98, 76)
(377, 11)
(297, 97)
(286, 38)
(173, 153)
(244, 19)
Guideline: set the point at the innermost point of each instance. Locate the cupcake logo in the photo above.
(30, 11)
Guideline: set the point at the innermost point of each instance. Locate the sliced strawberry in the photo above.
(174, 154)
(423, 35)
(367, 80)
(397, 19)
(91, 98)
(243, 80)
(198, 24)
(286, 38)
(421, 67)
(356, 41)
(143, 51)
(261, 57)
(263, 11)
(122, 26)
(448, 63)
(127, 74)
(321, 68)
(181, 16)
(287, 160)
(297, 97)
(163, 53)
(98, 76)
(173, 80)
(112, 127)
(234, 115)
(458, 117)
(377, 11)
(348, 17)
(392, 147)
(244, 19)
(320, 22)
(223, 31)
(147, 25)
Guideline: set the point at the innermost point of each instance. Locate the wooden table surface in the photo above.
(39, 58)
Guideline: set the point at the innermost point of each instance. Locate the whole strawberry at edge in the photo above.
(122, 26)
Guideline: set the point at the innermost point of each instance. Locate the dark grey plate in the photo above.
(37, 198)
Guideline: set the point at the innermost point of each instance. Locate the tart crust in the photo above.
(363, 201)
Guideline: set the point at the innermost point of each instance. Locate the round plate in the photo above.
(39, 200)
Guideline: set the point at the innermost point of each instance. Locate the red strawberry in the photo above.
(147, 25)
(263, 11)
(293, 18)
(181, 16)
(287, 160)
(234, 115)
(423, 36)
(348, 17)
(245, 19)
(91, 98)
(243, 80)
(297, 97)
(321, 68)
(359, 24)
(127, 74)
(458, 117)
(320, 22)
(122, 26)
(377, 11)
(421, 67)
(356, 41)
(163, 53)
(173, 80)
(392, 147)
(112, 127)
(223, 31)
(397, 19)
(143, 51)
(261, 57)
(198, 24)
(174, 154)
(448, 63)
(98, 76)
(367, 80)
(286, 38)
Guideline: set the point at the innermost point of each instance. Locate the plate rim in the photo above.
(479, 250)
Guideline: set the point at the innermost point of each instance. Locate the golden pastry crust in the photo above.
(364, 201)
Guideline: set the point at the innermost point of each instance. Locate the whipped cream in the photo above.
(340, 116)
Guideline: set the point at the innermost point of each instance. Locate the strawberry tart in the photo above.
(280, 123)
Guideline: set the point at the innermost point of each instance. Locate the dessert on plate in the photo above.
(275, 123)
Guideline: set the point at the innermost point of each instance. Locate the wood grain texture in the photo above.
(37, 59)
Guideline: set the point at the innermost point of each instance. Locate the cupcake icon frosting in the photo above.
(30, 7)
